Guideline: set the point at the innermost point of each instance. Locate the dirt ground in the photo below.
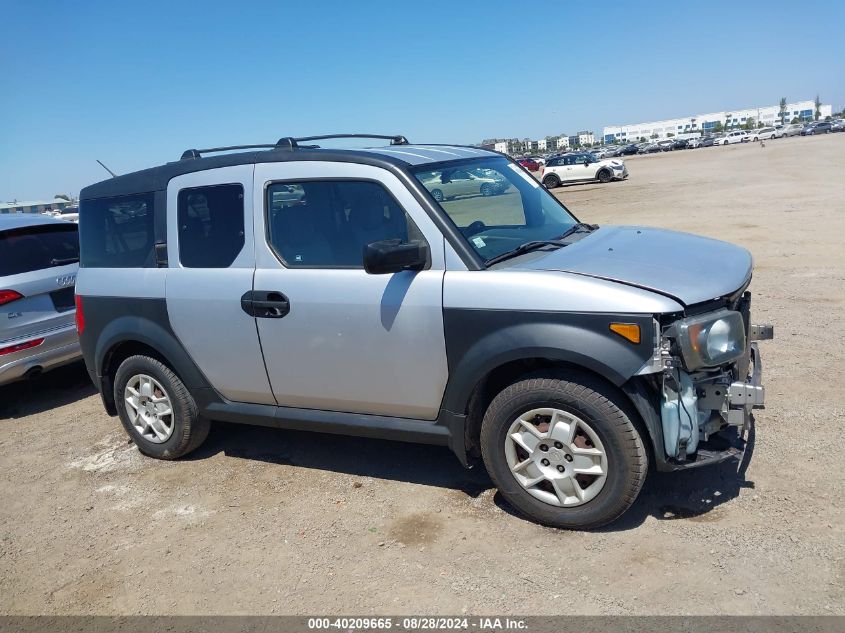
(264, 521)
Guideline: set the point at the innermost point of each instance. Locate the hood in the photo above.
(688, 268)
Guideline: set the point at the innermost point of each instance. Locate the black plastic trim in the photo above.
(113, 321)
(479, 341)
(447, 430)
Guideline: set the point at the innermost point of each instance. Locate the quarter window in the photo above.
(327, 223)
(211, 225)
(117, 232)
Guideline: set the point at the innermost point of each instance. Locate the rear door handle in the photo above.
(265, 304)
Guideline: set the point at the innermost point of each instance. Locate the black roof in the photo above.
(398, 155)
(156, 178)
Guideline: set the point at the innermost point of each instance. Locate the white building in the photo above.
(705, 123)
(515, 147)
(560, 143)
(581, 139)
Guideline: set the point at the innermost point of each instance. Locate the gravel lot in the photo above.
(265, 521)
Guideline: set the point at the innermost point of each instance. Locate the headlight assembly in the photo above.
(710, 339)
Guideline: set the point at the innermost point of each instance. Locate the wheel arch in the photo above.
(131, 335)
(488, 352)
(633, 397)
(605, 170)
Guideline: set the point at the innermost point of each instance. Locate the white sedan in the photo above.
(456, 183)
(580, 167)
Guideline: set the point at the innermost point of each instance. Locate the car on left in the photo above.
(39, 258)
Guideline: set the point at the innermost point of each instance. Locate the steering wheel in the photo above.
(475, 227)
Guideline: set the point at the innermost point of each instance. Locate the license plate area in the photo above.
(63, 299)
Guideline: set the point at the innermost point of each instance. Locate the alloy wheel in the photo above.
(149, 408)
(556, 457)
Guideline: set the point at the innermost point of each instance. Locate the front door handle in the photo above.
(265, 304)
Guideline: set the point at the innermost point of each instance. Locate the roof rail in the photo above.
(197, 153)
(289, 142)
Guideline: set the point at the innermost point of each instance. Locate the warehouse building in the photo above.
(706, 123)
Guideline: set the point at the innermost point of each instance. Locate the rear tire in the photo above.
(437, 195)
(487, 190)
(551, 181)
(605, 176)
(156, 409)
(580, 425)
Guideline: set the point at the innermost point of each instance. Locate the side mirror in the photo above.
(393, 256)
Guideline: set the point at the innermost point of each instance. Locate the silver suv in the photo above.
(39, 257)
(333, 290)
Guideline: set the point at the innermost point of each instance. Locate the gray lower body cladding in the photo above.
(479, 341)
(114, 321)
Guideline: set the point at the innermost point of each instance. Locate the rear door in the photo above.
(211, 263)
(38, 266)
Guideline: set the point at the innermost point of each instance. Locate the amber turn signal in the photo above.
(629, 331)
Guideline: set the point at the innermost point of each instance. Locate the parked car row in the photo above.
(729, 138)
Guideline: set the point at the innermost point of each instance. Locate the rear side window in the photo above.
(37, 247)
(117, 232)
(211, 226)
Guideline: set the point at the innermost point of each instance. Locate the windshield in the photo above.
(495, 204)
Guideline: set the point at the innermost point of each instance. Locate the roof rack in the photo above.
(290, 143)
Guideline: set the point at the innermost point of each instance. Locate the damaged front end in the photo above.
(706, 378)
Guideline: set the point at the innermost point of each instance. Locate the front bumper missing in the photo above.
(725, 410)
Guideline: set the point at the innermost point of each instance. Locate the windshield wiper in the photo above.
(535, 244)
(63, 262)
(577, 228)
(523, 248)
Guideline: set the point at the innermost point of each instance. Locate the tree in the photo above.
(818, 108)
(654, 136)
(718, 127)
(63, 196)
(670, 134)
(782, 111)
(749, 123)
(795, 120)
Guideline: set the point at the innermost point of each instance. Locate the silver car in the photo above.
(39, 257)
(390, 297)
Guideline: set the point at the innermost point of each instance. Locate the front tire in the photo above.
(605, 176)
(562, 450)
(157, 410)
(487, 190)
(437, 195)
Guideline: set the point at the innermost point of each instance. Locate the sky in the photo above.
(135, 83)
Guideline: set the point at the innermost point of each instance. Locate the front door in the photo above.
(344, 340)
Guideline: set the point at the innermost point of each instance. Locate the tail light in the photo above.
(7, 296)
(80, 316)
(16, 348)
